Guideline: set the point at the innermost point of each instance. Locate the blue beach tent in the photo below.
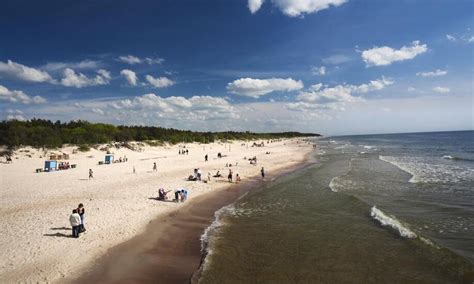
(109, 159)
(50, 166)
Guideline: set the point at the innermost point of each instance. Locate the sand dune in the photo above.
(35, 207)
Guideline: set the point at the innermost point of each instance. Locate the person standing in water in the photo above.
(262, 171)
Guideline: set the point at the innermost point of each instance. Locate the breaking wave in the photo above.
(424, 171)
(387, 220)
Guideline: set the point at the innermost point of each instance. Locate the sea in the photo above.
(392, 208)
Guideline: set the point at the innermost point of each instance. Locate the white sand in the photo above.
(35, 208)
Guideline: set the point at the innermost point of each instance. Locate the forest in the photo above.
(49, 134)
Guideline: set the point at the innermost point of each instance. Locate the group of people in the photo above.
(121, 160)
(180, 195)
(196, 176)
(77, 220)
(64, 166)
(183, 152)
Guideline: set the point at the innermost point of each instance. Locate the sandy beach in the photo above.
(35, 207)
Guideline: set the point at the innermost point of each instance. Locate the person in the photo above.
(162, 194)
(91, 174)
(154, 167)
(229, 177)
(218, 174)
(205, 158)
(209, 176)
(75, 221)
(177, 194)
(134, 171)
(184, 195)
(81, 211)
(237, 178)
(262, 171)
(199, 173)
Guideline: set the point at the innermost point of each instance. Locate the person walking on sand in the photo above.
(81, 211)
(205, 158)
(154, 167)
(75, 221)
(262, 171)
(91, 174)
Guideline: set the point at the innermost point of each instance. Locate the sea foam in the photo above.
(387, 220)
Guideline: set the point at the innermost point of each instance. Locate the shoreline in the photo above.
(119, 203)
(169, 249)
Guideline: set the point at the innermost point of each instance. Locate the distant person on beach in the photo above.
(237, 178)
(209, 176)
(154, 167)
(229, 176)
(184, 195)
(134, 171)
(262, 171)
(199, 174)
(218, 174)
(177, 194)
(187, 151)
(205, 158)
(91, 174)
(75, 221)
(162, 194)
(81, 211)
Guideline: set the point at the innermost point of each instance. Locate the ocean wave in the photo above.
(455, 158)
(333, 185)
(387, 220)
(423, 171)
(207, 238)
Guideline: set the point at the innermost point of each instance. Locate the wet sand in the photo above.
(169, 251)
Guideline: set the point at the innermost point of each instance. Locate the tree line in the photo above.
(49, 134)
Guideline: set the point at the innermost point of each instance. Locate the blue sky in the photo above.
(328, 66)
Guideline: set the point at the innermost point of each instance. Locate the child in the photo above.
(237, 178)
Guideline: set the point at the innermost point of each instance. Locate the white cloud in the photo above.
(374, 85)
(411, 89)
(132, 60)
(85, 64)
(152, 61)
(130, 76)
(442, 90)
(450, 37)
(380, 56)
(104, 73)
(319, 71)
(174, 108)
(15, 114)
(341, 93)
(254, 5)
(19, 97)
(22, 72)
(79, 80)
(258, 87)
(295, 8)
(160, 82)
(471, 39)
(435, 73)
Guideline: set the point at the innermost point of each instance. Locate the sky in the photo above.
(335, 67)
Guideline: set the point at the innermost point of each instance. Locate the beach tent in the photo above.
(109, 159)
(50, 166)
